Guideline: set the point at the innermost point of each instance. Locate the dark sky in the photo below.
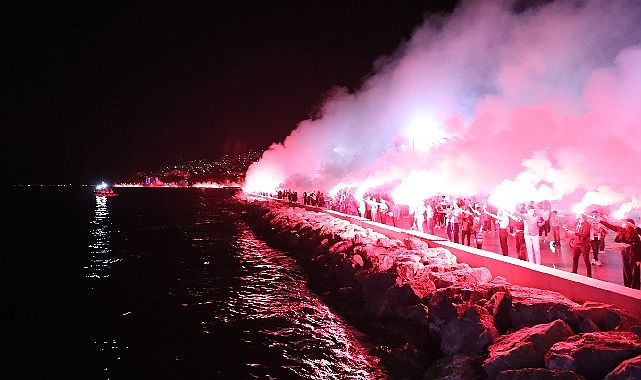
(104, 89)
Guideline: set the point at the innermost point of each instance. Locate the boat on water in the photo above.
(103, 190)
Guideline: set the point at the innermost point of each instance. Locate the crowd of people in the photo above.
(312, 198)
(467, 220)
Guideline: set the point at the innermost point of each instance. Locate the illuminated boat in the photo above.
(103, 190)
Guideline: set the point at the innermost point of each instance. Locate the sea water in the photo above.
(161, 283)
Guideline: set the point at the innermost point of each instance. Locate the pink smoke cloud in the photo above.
(545, 102)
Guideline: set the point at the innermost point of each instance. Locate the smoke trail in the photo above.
(539, 103)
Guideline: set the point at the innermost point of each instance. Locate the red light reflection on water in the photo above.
(287, 318)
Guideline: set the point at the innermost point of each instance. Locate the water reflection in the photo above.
(100, 255)
(208, 299)
(294, 324)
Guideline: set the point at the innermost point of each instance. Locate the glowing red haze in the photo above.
(543, 104)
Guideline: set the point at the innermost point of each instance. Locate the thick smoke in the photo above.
(539, 104)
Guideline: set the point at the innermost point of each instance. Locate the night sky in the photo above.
(104, 89)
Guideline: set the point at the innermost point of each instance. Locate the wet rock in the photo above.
(565, 312)
(417, 321)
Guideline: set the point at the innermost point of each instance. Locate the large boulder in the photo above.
(384, 299)
(422, 285)
(470, 334)
(463, 274)
(593, 355)
(499, 306)
(371, 254)
(406, 270)
(525, 348)
(628, 369)
(448, 304)
(531, 306)
(437, 256)
(406, 361)
(342, 246)
(607, 317)
(455, 368)
(538, 374)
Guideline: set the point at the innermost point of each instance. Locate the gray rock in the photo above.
(593, 355)
(525, 348)
(532, 306)
(455, 368)
(627, 370)
(538, 374)
(469, 335)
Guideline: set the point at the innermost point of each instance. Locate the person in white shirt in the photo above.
(532, 243)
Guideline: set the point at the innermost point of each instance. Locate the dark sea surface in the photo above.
(160, 284)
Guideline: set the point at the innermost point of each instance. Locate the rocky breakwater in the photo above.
(439, 318)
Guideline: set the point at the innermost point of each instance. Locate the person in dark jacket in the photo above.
(628, 237)
(467, 226)
(519, 234)
(582, 244)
